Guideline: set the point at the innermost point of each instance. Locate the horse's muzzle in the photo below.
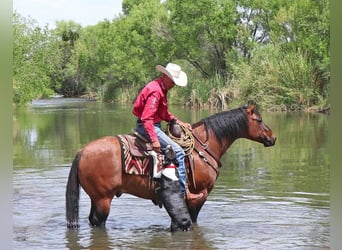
(270, 141)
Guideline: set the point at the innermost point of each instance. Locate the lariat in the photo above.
(185, 140)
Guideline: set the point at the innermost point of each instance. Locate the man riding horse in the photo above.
(151, 108)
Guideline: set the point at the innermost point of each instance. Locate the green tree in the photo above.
(68, 81)
(87, 59)
(275, 51)
(298, 34)
(127, 49)
(310, 33)
(136, 46)
(35, 59)
(203, 32)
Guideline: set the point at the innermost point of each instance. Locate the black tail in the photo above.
(72, 194)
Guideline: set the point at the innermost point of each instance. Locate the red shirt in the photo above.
(151, 106)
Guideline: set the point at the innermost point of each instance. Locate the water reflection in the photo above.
(147, 238)
(264, 198)
(98, 239)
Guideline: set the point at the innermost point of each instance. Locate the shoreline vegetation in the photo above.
(276, 54)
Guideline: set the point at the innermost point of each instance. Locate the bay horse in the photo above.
(98, 166)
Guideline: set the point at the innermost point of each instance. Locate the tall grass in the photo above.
(278, 79)
(212, 93)
(274, 78)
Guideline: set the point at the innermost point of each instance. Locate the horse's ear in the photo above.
(251, 102)
(250, 107)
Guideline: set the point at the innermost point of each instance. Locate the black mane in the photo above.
(227, 123)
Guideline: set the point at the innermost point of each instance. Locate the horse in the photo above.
(98, 166)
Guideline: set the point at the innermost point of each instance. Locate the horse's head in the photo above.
(257, 129)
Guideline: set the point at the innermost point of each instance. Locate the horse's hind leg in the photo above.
(99, 212)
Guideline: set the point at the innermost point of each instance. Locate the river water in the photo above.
(264, 198)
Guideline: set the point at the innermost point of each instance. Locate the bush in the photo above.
(278, 79)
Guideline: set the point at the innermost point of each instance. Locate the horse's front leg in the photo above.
(195, 206)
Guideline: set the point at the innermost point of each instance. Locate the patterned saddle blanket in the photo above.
(136, 159)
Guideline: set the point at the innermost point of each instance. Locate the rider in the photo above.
(151, 108)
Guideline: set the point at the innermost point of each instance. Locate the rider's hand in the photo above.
(156, 146)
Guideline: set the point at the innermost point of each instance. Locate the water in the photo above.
(264, 198)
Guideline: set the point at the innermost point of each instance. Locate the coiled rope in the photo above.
(186, 140)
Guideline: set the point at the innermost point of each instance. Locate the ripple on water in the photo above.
(233, 218)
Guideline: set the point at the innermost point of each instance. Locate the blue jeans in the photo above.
(164, 140)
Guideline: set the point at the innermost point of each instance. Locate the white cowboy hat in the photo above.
(175, 73)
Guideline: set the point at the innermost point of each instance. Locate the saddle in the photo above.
(138, 144)
(136, 152)
(138, 155)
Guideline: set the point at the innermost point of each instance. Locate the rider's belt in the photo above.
(139, 122)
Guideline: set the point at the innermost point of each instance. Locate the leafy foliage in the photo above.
(35, 60)
(277, 80)
(274, 51)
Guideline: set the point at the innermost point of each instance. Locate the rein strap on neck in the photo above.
(212, 154)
